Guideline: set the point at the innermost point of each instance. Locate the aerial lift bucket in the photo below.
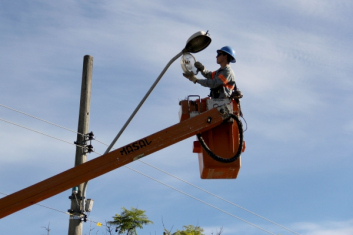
(223, 140)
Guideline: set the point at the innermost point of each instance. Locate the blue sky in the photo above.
(293, 67)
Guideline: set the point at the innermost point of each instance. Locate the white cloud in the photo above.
(326, 228)
(317, 8)
(293, 66)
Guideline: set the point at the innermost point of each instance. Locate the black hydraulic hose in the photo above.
(218, 158)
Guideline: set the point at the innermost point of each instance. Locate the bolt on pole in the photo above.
(78, 194)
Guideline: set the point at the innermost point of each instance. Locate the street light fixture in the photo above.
(196, 43)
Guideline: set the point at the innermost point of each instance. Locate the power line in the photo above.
(15, 124)
(100, 224)
(147, 177)
(39, 119)
(198, 199)
(36, 131)
(208, 204)
(225, 200)
(57, 210)
(140, 161)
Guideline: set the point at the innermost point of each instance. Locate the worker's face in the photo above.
(221, 57)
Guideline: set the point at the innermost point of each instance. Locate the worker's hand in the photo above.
(190, 76)
(199, 66)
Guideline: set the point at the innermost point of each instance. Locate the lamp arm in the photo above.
(143, 100)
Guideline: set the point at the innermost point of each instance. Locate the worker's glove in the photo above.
(190, 76)
(199, 66)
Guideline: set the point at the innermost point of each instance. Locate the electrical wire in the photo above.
(197, 199)
(57, 210)
(140, 161)
(78, 204)
(39, 119)
(214, 195)
(15, 124)
(36, 131)
(152, 179)
(208, 204)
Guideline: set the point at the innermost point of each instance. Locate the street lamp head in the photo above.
(197, 42)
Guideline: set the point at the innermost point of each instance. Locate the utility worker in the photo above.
(221, 82)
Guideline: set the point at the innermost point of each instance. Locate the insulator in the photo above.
(89, 148)
(91, 136)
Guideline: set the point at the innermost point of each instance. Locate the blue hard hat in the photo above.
(230, 51)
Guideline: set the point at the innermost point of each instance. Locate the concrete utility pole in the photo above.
(78, 193)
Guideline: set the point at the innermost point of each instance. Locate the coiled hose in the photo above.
(218, 158)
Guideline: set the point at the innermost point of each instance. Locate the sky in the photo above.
(293, 67)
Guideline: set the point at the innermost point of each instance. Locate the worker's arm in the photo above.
(223, 78)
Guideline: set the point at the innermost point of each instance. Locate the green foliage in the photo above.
(188, 230)
(129, 220)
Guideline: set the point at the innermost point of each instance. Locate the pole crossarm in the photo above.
(110, 161)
